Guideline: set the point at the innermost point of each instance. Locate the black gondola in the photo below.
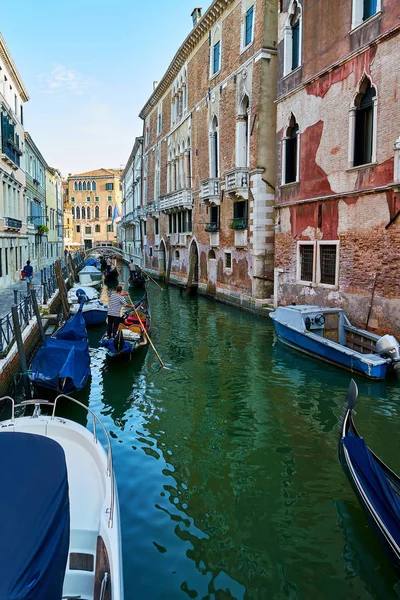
(376, 486)
(111, 275)
(136, 279)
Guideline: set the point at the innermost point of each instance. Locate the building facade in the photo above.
(94, 201)
(35, 201)
(54, 214)
(208, 177)
(338, 141)
(131, 181)
(13, 223)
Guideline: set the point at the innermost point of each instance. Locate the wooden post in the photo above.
(73, 267)
(168, 267)
(61, 289)
(192, 266)
(21, 351)
(37, 315)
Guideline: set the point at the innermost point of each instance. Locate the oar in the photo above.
(145, 332)
(151, 279)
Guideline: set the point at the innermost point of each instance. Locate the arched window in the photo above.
(290, 153)
(364, 116)
(93, 186)
(214, 148)
(215, 53)
(292, 38)
(109, 212)
(80, 185)
(242, 134)
(211, 255)
(76, 186)
(96, 212)
(73, 212)
(78, 212)
(88, 186)
(84, 186)
(88, 212)
(83, 212)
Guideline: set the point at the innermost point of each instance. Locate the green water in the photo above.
(226, 463)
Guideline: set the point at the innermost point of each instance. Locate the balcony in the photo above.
(239, 225)
(11, 155)
(209, 190)
(212, 227)
(179, 200)
(153, 208)
(13, 224)
(178, 239)
(237, 182)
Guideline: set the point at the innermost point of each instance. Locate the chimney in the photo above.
(155, 84)
(196, 16)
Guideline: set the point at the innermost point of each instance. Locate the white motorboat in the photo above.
(90, 276)
(90, 292)
(62, 538)
(94, 312)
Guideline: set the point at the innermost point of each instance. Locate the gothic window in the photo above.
(214, 148)
(109, 212)
(78, 212)
(88, 213)
(84, 185)
(80, 185)
(290, 153)
(363, 126)
(215, 54)
(75, 185)
(96, 212)
(94, 186)
(83, 212)
(242, 134)
(292, 38)
(73, 212)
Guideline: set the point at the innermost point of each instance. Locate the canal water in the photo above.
(226, 462)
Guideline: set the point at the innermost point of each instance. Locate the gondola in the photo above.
(376, 486)
(134, 322)
(111, 276)
(117, 348)
(137, 280)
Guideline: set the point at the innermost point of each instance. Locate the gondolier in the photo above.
(117, 301)
(132, 270)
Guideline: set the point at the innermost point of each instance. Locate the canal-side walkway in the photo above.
(8, 296)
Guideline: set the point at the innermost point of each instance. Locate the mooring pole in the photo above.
(37, 315)
(21, 351)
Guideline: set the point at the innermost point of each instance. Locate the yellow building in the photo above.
(94, 201)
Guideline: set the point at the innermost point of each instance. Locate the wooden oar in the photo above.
(145, 332)
(151, 279)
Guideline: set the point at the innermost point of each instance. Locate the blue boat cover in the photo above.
(35, 523)
(108, 344)
(60, 367)
(73, 329)
(378, 486)
(92, 262)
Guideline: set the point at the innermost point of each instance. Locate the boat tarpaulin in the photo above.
(35, 523)
(73, 329)
(60, 366)
(382, 493)
(92, 262)
(110, 347)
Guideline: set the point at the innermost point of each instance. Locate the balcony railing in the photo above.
(11, 155)
(179, 200)
(209, 190)
(239, 223)
(237, 180)
(10, 223)
(211, 227)
(153, 207)
(178, 239)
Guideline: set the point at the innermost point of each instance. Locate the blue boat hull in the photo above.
(95, 317)
(309, 345)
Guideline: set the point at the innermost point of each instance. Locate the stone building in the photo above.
(131, 181)
(37, 224)
(54, 214)
(13, 223)
(209, 155)
(93, 199)
(338, 127)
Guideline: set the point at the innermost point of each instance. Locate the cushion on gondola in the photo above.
(34, 528)
(379, 486)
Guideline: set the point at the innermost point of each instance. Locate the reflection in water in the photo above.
(226, 461)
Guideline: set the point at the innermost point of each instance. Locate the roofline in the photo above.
(10, 64)
(86, 177)
(138, 142)
(211, 15)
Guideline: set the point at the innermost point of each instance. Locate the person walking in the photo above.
(116, 302)
(132, 270)
(109, 264)
(28, 270)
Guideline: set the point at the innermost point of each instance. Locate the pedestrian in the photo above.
(109, 264)
(116, 302)
(132, 270)
(28, 270)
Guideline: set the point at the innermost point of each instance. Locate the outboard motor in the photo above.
(119, 342)
(388, 347)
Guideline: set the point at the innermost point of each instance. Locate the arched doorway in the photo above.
(193, 275)
(161, 259)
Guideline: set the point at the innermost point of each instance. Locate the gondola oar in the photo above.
(145, 332)
(151, 279)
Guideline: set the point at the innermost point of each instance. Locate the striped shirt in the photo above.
(115, 304)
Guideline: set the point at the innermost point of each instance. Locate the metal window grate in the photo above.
(228, 260)
(328, 264)
(307, 262)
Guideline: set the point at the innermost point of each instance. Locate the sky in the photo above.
(89, 67)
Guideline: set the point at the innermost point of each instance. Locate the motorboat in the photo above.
(376, 486)
(327, 334)
(94, 311)
(62, 365)
(61, 537)
(90, 276)
(90, 292)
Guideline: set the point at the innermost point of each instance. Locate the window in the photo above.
(292, 38)
(216, 57)
(96, 199)
(84, 185)
(88, 212)
(228, 260)
(80, 185)
(83, 212)
(156, 228)
(88, 186)
(109, 186)
(78, 212)
(73, 212)
(248, 31)
(214, 148)
(147, 137)
(243, 134)
(109, 212)
(290, 153)
(177, 255)
(159, 119)
(88, 230)
(21, 108)
(93, 186)
(110, 228)
(318, 262)
(87, 198)
(96, 212)
(72, 199)
(76, 186)
(150, 252)
(364, 127)
(97, 228)
(78, 229)
(364, 10)
(109, 198)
